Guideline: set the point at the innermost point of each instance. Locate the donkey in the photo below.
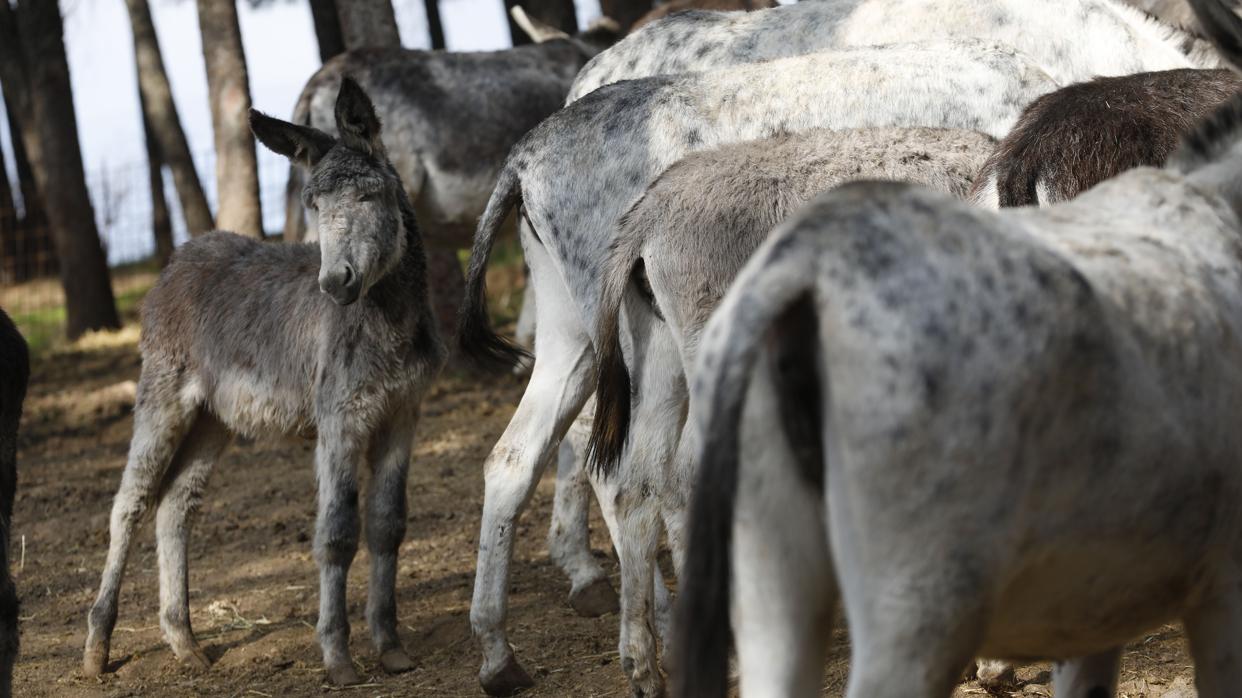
(1173, 12)
(334, 341)
(1070, 140)
(1073, 40)
(570, 205)
(966, 382)
(15, 373)
(451, 119)
(674, 255)
(668, 8)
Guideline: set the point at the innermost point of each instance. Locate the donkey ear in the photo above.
(301, 144)
(356, 120)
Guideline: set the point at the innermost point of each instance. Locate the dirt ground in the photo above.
(253, 581)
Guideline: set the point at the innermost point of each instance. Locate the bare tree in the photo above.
(555, 13)
(161, 221)
(161, 111)
(33, 254)
(435, 28)
(625, 12)
(368, 23)
(8, 226)
(33, 66)
(228, 89)
(327, 28)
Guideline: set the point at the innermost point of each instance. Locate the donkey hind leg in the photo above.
(569, 536)
(1214, 629)
(179, 500)
(636, 489)
(559, 385)
(386, 512)
(337, 455)
(1087, 677)
(784, 590)
(161, 420)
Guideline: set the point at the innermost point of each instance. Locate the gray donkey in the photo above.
(1006, 432)
(675, 253)
(14, 374)
(334, 341)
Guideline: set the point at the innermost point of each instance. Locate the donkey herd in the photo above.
(927, 310)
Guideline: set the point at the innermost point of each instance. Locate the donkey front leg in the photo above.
(386, 510)
(179, 501)
(336, 538)
(1214, 629)
(559, 385)
(1087, 677)
(569, 536)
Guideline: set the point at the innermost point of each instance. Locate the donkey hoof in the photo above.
(94, 660)
(396, 661)
(510, 679)
(595, 599)
(994, 674)
(343, 675)
(194, 659)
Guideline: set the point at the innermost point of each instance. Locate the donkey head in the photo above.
(351, 189)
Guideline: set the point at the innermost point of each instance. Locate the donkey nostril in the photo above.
(348, 280)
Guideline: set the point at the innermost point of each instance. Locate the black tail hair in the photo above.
(760, 294)
(478, 342)
(611, 426)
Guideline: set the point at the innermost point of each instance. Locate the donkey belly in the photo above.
(252, 405)
(450, 204)
(1085, 597)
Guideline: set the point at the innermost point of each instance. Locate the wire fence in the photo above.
(121, 196)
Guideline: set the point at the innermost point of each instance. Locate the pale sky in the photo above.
(281, 53)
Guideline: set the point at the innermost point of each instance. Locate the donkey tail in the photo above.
(478, 342)
(295, 222)
(780, 273)
(612, 389)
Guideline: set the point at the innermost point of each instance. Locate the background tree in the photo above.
(327, 28)
(35, 71)
(435, 28)
(161, 221)
(26, 247)
(556, 13)
(625, 12)
(161, 113)
(228, 90)
(368, 23)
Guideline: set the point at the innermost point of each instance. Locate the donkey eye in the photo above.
(370, 196)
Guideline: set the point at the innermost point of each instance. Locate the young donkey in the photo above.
(571, 205)
(978, 379)
(14, 374)
(335, 341)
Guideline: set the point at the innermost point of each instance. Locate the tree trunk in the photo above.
(35, 252)
(555, 13)
(368, 23)
(625, 12)
(161, 221)
(8, 227)
(228, 90)
(435, 28)
(36, 47)
(327, 28)
(162, 113)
